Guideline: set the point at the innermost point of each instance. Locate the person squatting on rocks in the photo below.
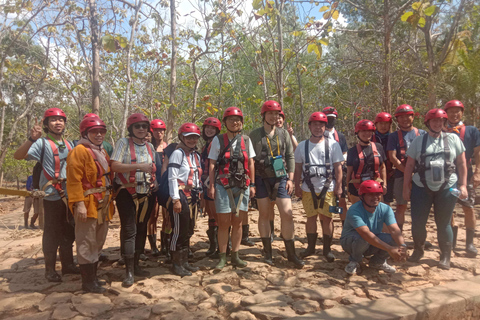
(211, 127)
(89, 186)
(133, 161)
(274, 168)
(318, 161)
(52, 153)
(185, 189)
(232, 176)
(383, 122)
(434, 159)
(365, 161)
(470, 137)
(362, 234)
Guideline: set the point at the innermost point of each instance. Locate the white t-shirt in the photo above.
(317, 156)
(215, 149)
(174, 174)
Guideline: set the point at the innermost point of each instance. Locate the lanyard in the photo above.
(278, 146)
(59, 146)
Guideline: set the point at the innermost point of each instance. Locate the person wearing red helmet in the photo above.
(185, 186)
(433, 160)
(211, 128)
(133, 161)
(397, 146)
(89, 198)
(339, 137)
(52, 153)
(365, 161)
(232, 176)
(318, 162)
(470, 137)
(362, 233)
(274, 168)
(281, 122)
(383, 122)
(106, 145)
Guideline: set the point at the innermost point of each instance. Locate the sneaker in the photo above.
(351, 267)
(383, 266)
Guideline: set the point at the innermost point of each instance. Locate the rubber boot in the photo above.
(223, 261)
(137, 270)
(168, 257)
(312, 241)
(212, 238)
(446, 253)
(229, 245)
(291, 255)
(470, 248)
(177, 267)
(50, 274)
(418, 252)
(267, 250)
(272, 229)
(455, 233)
(185, 263)
(327, 251)
(163, 243)
(66, 258)
(152, 239)
(129, 268)
(88, 279)
(428, 245)
(245, 240)
(98, 281)
(189, 252)
(32, 221)
(25, 220)
(236, 261)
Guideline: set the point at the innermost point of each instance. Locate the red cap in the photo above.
(330, 110)
(188, 129)
(214, 122)
(453, 104)
(433, 114)
(383, 117)
(403, 109)
(364, 125)
(318, 116)
(270, 105)
(52, 112)
(232, 111)
(370, 186)
(91, 123)
(137, 117)
(157, 124)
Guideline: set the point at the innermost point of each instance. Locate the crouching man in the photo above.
(362, 233)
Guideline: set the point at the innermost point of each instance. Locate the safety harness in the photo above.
(421, 167)
(55, 181)
(403, 147)
(232, 168)
(358, 177)
(131, 184)
(307, 175)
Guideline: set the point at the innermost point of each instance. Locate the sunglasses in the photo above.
(141, 126)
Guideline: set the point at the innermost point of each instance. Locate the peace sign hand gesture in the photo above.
(36, 130)
(290, 128)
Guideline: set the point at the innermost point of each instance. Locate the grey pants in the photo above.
(90, 238)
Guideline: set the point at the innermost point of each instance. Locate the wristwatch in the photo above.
(31, 139)
(252, 184)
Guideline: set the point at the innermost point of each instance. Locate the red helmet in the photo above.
(370, 186)
(157, 124)
(52, 112)
(136, 117)
(383, 117)
(433, 114)
(91, 115)
(188, 129)
(91, 123)
(214, 122)
(330, 110)
(364, 125)
(453, 104)
(318, 116)
(282, 115)
(270, 105)
(403, 109)
(232, 111)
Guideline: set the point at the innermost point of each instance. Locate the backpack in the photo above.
(163, 192)
(38, 168)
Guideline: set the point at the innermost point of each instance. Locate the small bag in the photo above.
(437, 170)
(278, 166)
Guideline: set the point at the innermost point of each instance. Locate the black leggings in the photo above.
(182, 224)
(133, 233)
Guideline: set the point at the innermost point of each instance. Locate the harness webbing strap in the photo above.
(307, 176)
(361, 165)
(403, 147)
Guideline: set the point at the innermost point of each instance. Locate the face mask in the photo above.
(331, 122)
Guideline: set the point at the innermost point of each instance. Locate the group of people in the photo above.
(145, 176)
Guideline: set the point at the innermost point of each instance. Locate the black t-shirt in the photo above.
(341, 140)
(169, 149)
(369, 165)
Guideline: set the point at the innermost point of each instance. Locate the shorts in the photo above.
(398, 191)
(262, 191)
(388, 197)
(310, 210)
(222, 201)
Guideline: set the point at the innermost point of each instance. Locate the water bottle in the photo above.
(455, 192)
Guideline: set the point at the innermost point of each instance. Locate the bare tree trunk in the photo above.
(279, 5)
(173, 70)
(387, 86)
(94, 30)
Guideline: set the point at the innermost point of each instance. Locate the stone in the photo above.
(267, 296)
(277, 278)
(192, 296)
(231, 301)
(318, 293)
(91, 304)
(329, 304)
(140, 313)
(184, 315)
(242, 315)
(117, 286)
(170, 306)
(256, 286)
(64, 311)
(305, 306)
(20, 301)
(353, 300)
(219, 288)
(359, 293)
(231, 278)
(34, 316)
(271, 310)
(416, 271)
(129, 300)
(54, 299)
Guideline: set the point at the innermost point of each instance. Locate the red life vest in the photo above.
(224, 167)
(335, 135)
(403, 147)
(56, 156)
(100, 172)
(361, 165)
(131, 189)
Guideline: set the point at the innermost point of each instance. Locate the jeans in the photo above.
(133, 233)
(358, 247)
(443, 205)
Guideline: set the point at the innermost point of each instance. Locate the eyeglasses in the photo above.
(141, 126)
(232, 119)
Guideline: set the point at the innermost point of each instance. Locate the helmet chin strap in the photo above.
(265, 120)
(366, 142)
(98, 145)
(366, 204)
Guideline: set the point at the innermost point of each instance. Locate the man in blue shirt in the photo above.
(362, 233)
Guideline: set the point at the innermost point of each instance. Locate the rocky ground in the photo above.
(258, 291)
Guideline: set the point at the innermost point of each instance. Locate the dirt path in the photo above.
(256, 292)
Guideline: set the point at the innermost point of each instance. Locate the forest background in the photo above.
(187, 60)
